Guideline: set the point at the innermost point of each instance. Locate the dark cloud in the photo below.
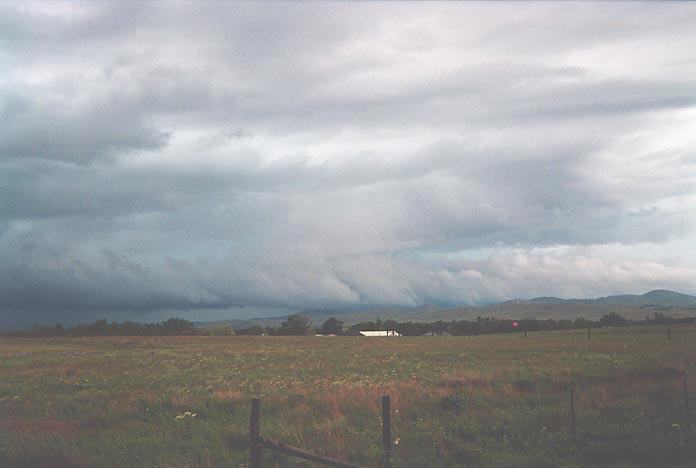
(157, 158)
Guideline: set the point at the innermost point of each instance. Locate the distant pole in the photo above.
(254, 434)
(589, 333)
(669, 333)
(572, 408)
(386, 428)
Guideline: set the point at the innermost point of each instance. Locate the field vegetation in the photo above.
(479, 401)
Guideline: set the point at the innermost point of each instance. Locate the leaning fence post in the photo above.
(571, 387)
(254, 434)
(386, 428)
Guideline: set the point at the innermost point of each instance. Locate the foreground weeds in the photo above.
(488, 401)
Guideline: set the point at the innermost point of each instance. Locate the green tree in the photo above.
(332, 326)
(612, 320)
(295, 325)
(177, 326)
(657, 317)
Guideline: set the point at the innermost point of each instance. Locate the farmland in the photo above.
(485, 401)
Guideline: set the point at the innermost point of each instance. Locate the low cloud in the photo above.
(208, 157)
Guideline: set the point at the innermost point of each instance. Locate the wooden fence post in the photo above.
(686, 394)
(669, 333)
(572, 408)
(525, 333)
(386, 428)
(255, 448)
(589, 333)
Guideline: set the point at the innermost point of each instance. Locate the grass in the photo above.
(487, 401)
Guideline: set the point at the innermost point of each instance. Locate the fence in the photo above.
(589, 333)
(257, 443)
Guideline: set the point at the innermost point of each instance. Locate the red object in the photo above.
(515, 324)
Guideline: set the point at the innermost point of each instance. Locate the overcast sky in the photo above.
(216, 160)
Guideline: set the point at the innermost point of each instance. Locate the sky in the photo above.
(222, 160)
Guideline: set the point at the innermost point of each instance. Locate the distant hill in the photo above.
(669, 298)
(636, 306)
(629, 305)
(656, 298)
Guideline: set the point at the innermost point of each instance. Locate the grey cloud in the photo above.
(212, 156)
(75, 133)
(55, 26)
(107, 281)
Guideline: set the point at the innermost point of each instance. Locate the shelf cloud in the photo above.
(186, 156)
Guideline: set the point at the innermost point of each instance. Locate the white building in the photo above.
(380, 333)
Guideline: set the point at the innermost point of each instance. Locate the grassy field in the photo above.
(487, 401)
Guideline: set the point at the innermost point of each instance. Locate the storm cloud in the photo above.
(191, 156)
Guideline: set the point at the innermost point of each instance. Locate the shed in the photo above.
(379, 333)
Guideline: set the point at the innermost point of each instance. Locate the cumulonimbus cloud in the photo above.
(214, 156)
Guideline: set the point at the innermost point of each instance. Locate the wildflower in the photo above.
(187, 414)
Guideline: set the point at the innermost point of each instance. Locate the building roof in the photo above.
(379, 333)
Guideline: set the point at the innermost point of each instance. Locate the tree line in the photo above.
(301, 325)
(172, 326)
(296, 325)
